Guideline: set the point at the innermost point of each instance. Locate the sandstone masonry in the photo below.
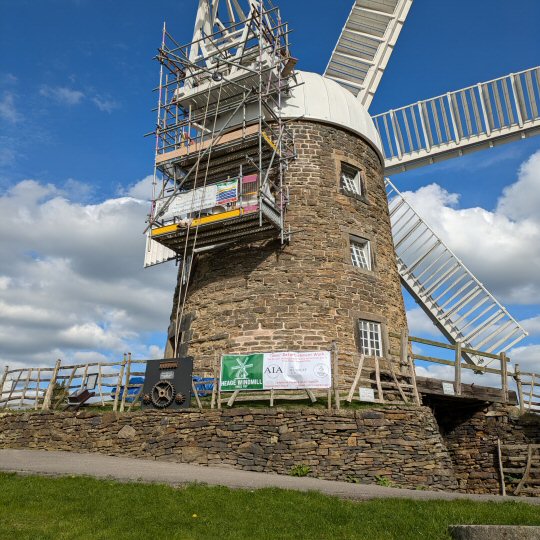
(402, 445)
(307, 293)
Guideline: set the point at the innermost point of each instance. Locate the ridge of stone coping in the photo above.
(58, 463)
(233, 411)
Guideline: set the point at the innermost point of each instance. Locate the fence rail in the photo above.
(119, 384)
(526, 383)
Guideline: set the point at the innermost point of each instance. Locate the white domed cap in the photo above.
(324, 100)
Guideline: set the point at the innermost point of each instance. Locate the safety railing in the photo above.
(117, 385)
(402, 375)
(496, 370)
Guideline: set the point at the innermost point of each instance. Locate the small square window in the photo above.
(361, 253)
(351, 180)
(370, 338)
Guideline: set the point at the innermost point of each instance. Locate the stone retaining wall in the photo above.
(402, 445)
(472, 444)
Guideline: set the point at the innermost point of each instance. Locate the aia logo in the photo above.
(273, 371)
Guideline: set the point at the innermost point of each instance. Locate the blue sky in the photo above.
(76, 80)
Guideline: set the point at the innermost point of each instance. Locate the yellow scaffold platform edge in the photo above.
(197, 222)
(269, 141)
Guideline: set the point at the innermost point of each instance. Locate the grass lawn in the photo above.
(58, 508)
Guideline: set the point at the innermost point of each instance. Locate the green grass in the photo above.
(82, 508)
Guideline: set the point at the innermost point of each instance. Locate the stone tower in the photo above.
(336, 279)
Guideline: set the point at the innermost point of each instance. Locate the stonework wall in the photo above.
(472, 442)
(402, 445)
(306, 294)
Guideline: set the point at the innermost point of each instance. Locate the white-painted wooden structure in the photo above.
(366, 44)
(450, 125)
(457, 303)
(234, 48)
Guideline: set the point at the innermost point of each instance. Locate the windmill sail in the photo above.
(366, 44)
(477, 117)
(457, 303)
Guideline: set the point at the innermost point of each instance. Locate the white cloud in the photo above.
(527, 356)
(155, 352)
(141, 190)
(521, 201)
(7, 155)
(62, 94)
(105, 104)
(501, 247)
(4, 282)
(420, 324)
(532, 325)
(72, 281)
(8, 109)
(8, 79)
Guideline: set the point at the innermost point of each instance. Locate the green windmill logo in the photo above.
(242, 372)
(241, 368)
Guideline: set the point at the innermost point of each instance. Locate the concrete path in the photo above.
(128, 469)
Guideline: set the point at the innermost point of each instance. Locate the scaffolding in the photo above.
(222, 147)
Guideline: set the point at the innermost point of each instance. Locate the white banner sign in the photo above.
(186, 203)
(276, 371)
(297, 370)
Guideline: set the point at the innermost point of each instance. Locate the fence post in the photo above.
(404, 347)
(3, 381)
(335, 377)
(504, 376)
(517, 377)
(36, 401)
(126, 385)
(50, 389)
(26, 384)
(119, 383)
(457, 368)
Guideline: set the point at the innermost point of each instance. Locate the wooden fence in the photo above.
(119, 384)
(115, 384)
(488, 363)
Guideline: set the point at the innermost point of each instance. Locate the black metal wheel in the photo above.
(162, 394)
(147, 399)
(180, 398)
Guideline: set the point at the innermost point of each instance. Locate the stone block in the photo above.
(192, 454)
(494, 532)
(127, 432)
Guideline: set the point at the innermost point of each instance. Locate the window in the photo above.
(370, 338)
(361, 253)
(351, 180)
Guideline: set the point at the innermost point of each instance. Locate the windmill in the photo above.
(229, 126)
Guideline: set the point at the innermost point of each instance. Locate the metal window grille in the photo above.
(361, 253)
(351, 180)
(370, 338)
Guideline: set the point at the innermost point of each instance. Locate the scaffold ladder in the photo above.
(457, 303)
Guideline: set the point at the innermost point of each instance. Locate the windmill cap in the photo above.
(324, 100)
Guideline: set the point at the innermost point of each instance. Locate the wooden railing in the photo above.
(47, 388)
(525, 382)
(116, 384)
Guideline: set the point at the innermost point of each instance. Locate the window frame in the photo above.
(381, 337)
(352, 235)
(368, 253)
(360, 181)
